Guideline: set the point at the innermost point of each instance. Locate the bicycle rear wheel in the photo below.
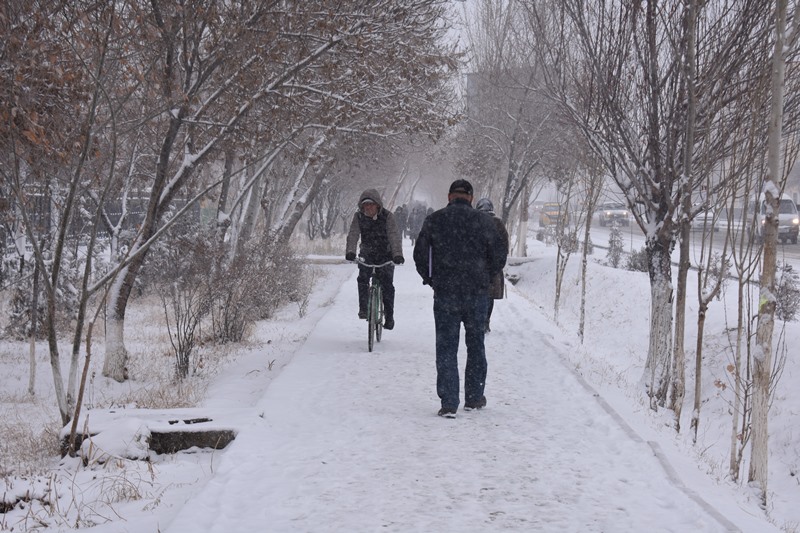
(372, 317)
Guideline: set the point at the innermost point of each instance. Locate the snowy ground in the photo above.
(340, 439)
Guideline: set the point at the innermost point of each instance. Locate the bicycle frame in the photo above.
(374, 304)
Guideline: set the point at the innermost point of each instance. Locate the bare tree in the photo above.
(566, 233)
(710, 278)
(592, 189)
(619, 71)
(325, 211)
(45, 154)
(108, 99)
(689, 73)
(240, 73)
(773, 185)
(509, 132)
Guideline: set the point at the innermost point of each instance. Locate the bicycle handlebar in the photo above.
(362, 263)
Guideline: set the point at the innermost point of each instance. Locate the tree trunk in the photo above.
(250, 215)
(115, 365)
(55, 365)
(584, 266)
(116, 357)
(390, 203)
(522, 231)
(561, 265)
(746, 264)
(698, 358)
(79, 402)
(738, 389)
(698, 371)
(678, 385)
(227, 173)
(762, 362)
(34, 330)
(660, 347)
(287, 228)
(297, 200)
(595, 186)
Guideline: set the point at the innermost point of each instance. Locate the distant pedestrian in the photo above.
(380, 242)
(415, 219)
(401, 219)
(497, 287)
(457, 252)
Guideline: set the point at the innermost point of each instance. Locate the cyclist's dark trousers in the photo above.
(386, 277)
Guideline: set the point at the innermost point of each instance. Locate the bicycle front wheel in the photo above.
(379, 314)
(372, 317)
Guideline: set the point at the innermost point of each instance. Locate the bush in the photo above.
(637, 261)
(21, 305)
(615, 247)
(787, 289)
(719, 270)
(198, 278)
(182, 260)
(589, 246)
(260, 279)
(568, 243)
(19, 317)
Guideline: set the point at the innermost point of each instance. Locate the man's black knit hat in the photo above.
(462, 186)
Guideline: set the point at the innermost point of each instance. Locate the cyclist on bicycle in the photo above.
(381, 241)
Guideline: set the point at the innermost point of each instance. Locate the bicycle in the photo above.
(374, 304)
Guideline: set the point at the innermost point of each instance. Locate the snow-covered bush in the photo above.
(787, 288)
(637, 261)
(261, 277)
(19, 310)
(22, 296)
(615, 247)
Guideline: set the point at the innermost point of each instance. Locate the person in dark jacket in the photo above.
(415, 219)
(497, 287)
(380, 242)
(401, 219)
(457, 253)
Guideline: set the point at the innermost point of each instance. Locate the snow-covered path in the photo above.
(350, 441)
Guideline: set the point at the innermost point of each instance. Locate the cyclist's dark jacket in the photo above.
(380, 237)
(459, 250)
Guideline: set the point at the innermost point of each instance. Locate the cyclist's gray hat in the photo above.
(370, 195)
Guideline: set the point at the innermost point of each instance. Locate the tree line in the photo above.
(251, 109)
(680, 107)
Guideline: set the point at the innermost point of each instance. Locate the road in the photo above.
(633, 240)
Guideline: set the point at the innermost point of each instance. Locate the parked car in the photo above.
(709, 221)
(611, 212)
(553, 214)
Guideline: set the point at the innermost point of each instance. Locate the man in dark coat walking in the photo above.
(457, 253)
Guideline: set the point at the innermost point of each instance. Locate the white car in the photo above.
(708, 221)
(611, 212)
(788, 220)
